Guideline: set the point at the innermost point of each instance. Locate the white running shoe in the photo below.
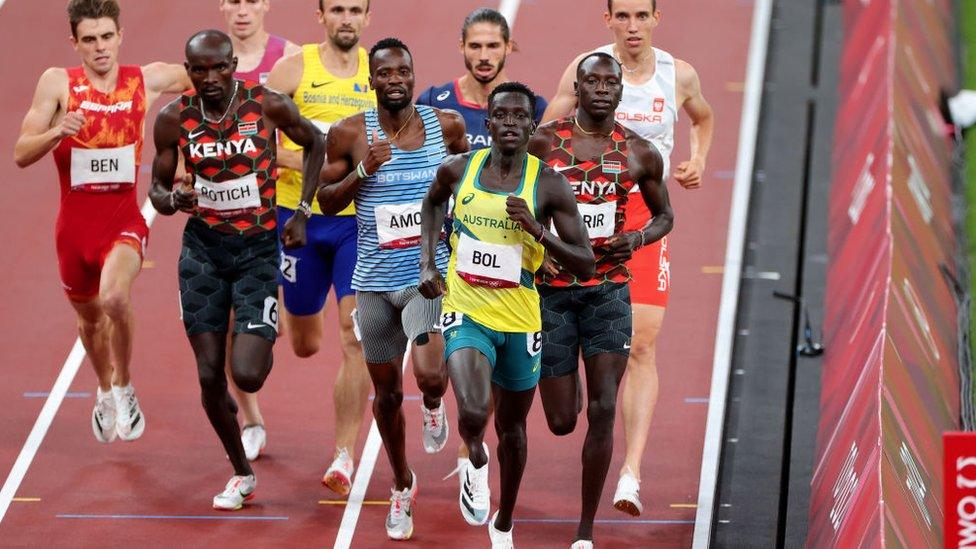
(627, 496)
(254, 438)
(499, 539)
(475, 494)
(399, 522)
(103, 416)
(338, 477)
(582, 544)
(130, 421)
(238, 490)
(435, 428)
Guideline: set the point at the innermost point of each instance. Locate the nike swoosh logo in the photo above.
(254, 326)
(563, 168)
(626, 345)
(194, 135)
(320, 84)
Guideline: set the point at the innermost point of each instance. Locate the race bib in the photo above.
(103, 166)
(322, 126)
(234, 195)
(599, 219)
(533, 343)
(398, 225)
(450, 320)
(486, 264)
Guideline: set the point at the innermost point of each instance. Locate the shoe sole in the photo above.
(99, 435)
(135, 433)
(469, 519)
(247, 498)
(627, 506)
(436, 449)
(337, 482)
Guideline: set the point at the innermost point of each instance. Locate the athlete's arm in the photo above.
(556, 201)
(647, 169)
(432, 213)
(166, 136)
(284, 78)
(163, 78)
(564, 101)
(38, 133)
(283, 112)
(689, 173)
(291, 47)
(455, 134)
(340, 180)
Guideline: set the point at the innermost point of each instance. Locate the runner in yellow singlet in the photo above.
(491, 317)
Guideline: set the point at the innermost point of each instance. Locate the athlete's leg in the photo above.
(561, 402)
(641, 386)
(603, 374)
(511, 411)
(559, 384)
(351, 392)
(93, 329)
(121, 266)
(251, 361)
(209, 350)
(420, 318)
(248, 402)
(388, 412)
(470, 374)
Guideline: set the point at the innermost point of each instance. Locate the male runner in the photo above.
(485, 44)
(603, 162)
(92, 117)
(491, 317)
(328, 81)
(385, 160)
(656, 85)
(225, 129)
(257, 51)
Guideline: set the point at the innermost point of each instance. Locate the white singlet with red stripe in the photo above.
(651, 109)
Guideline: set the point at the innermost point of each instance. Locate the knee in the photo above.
(304, 345)
(601, 412)
(431, 383)
(249, 382)
(389, 401)
(514, 439)
(115, 304)
(347, 338)
(472, 418)
(211, 376)
(561, 424)
(90, 326)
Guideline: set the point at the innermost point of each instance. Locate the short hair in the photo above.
(486, 15)
(322, 5)
(610, 6)
(513, 87)
(214, 37)
(599, 55)
(388, 44)
(91, 9)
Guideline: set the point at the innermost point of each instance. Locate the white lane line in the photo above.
(61, 385)
(367, 461)
(722, 361)
(509, 8)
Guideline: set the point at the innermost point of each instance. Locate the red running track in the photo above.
(171, 473)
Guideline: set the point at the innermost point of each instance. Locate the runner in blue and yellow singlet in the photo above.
(491, 318)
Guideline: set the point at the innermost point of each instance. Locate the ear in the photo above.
(234, 63)
(576, 89)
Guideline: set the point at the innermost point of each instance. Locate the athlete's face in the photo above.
(344, 21)
(391, 75)
(632, 24)
(599, 87)
(484, 51)
(510, 121)
(212, 73)
(245, 18)
(97, 42)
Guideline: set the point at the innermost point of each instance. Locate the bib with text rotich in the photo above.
(228, 197)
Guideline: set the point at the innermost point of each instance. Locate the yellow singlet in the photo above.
(490, 278)
(324, 99)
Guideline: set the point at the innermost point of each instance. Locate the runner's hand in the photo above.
(689, 173)
(431, 283)
(518, 211)
(379, 153)
(184, 196)
(549, 265)
(621, 246)
(293, 235)
(71, 124)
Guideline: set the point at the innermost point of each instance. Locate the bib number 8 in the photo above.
(449, 320)
(533, 343)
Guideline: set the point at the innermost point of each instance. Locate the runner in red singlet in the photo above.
(91, 117)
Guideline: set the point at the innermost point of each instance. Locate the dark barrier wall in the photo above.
(890, 379)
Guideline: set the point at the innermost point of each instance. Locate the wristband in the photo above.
(305, 209)
(542, 234)
(642, 244)
(361, 171)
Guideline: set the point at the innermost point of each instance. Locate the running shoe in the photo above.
(435, 428)
(338, 477)
(103, 416)
(475, 494)
(130, 421)
(582, 544)
(499, 539)
(627, 496)
(238, 490)
(399, 523)
(254, 439)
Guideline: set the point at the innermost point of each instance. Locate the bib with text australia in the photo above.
(486, 264)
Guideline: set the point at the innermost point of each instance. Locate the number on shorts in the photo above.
(451, 319)
(533, 343)
(271, 312)
(288, 268)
